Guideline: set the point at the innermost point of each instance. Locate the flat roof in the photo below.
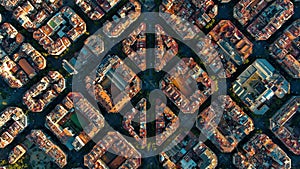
(27, 67)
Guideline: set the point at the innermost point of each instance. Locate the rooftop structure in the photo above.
(284, 125)
(225, 123)
(66, 25)
(115, 84)
(96, 9)
(232, 41)
(225, 1)
(135, 46)
(107, 5)
(126, 16)
(188, 153)
(128, 156)
(188, 17)
(75, 121)
(233, 45)
(19, 62)
(262, 152)
(69, 66)
(268, 19)
(10, 38)
(90, 8)
(259, 83)
(22, 66)
(91, 51)
(32, 14)
(16, 154)
(9, 4)
(166, 122)
(213, 57)
(12, 122)
(165, 48)
(181, 85)
(139, 110)
(246, 10)
(286, 49)
(26, 50)
(44, 92)
(45, 144)
(95, 44)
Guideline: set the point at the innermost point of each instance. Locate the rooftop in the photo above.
(284, 124)
(114, 85)
(225, 123)
(45, 144)
(11, 130)
(136, 53)
(75, 121)
(268, 18)
(126, 16)
(186, 152)
(186, 93)
(48, 88)
(115, 142)
(67, 25)
(31, 15)
(261, 151)
(180, 14)
(258, 83)
(285, 49)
